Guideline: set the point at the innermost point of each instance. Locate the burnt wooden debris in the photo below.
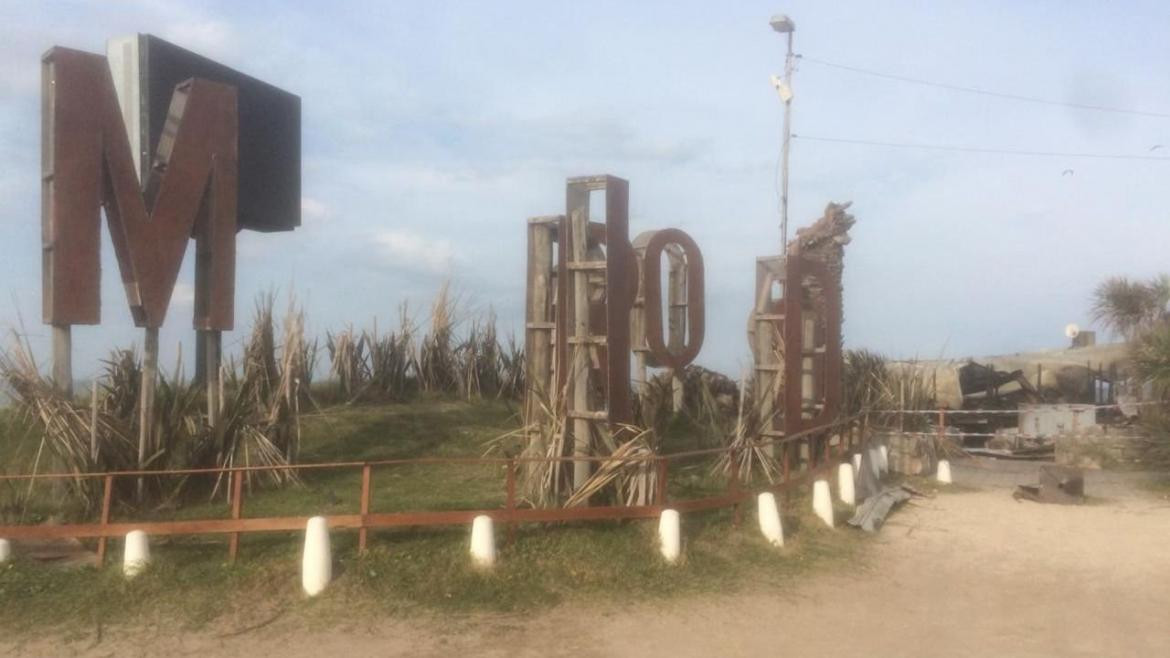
(1061, 485)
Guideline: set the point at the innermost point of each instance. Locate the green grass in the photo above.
(11, 433)
(190, 585)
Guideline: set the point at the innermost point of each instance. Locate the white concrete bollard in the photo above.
(943, 474)
(884, 462)
(135, 554)
(769, 514)
(317, 560)
(669, 536)
(483, 542)
(845, 484)
(857, 465)
(5, 551)
(823, 501)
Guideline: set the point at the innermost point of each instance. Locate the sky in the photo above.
(431, 131)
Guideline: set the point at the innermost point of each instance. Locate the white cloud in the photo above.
(314, 210)
(183, 295)
(210, 38)
(413, 251)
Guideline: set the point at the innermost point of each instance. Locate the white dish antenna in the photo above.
(1072, 330)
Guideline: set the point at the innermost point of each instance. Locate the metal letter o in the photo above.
(654, 245)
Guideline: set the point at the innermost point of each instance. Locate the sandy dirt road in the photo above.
(966, 574)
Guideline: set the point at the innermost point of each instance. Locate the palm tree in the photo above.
(1131, 308)
(1151, 358)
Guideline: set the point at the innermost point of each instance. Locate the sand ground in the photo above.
(963, 574)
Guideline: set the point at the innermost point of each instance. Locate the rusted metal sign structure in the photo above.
(685, 306)
(89, 166)
(795, 335)
(217, 151)
(584, 280)
(587, 285)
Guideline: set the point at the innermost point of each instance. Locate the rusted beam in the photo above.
(237, 481)
(510, 500)
(107, 499)
(671, 351)
(367, 482)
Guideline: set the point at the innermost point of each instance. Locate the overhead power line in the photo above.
(976, 149)
(984, 92)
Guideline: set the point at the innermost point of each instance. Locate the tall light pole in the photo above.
(784, 25)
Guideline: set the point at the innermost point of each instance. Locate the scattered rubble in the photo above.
(872, 513)
(1061, 485)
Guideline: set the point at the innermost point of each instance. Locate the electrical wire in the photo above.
(975, 149)
(983, 92)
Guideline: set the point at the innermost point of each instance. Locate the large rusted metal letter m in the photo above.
(190, 192)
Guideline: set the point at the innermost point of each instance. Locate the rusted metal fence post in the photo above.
(93, 423)
(510, 502)
(107, 498)
(733, 485)
(787, 465)
(942, 425)
(660, 484)
(237, 482)
(363, 531)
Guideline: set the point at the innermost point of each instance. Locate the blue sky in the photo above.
(432, 130)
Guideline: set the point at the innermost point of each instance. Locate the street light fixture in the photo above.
(785, 25)
(782, 24)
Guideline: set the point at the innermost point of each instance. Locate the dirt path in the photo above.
(971, 574)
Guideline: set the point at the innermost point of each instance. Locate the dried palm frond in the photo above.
(629, 471)
(708, 402)
(750, 451)
(654, 403)
(247, 437)
(906, 387)
(542, 436)
(511, 365)
(348, 362)
(66, 429)
(392, 361)
(372, 366)
(629, 474)
(120, 381)
(260, 351)
(864, 382)
(258, 423)
(438, 364)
